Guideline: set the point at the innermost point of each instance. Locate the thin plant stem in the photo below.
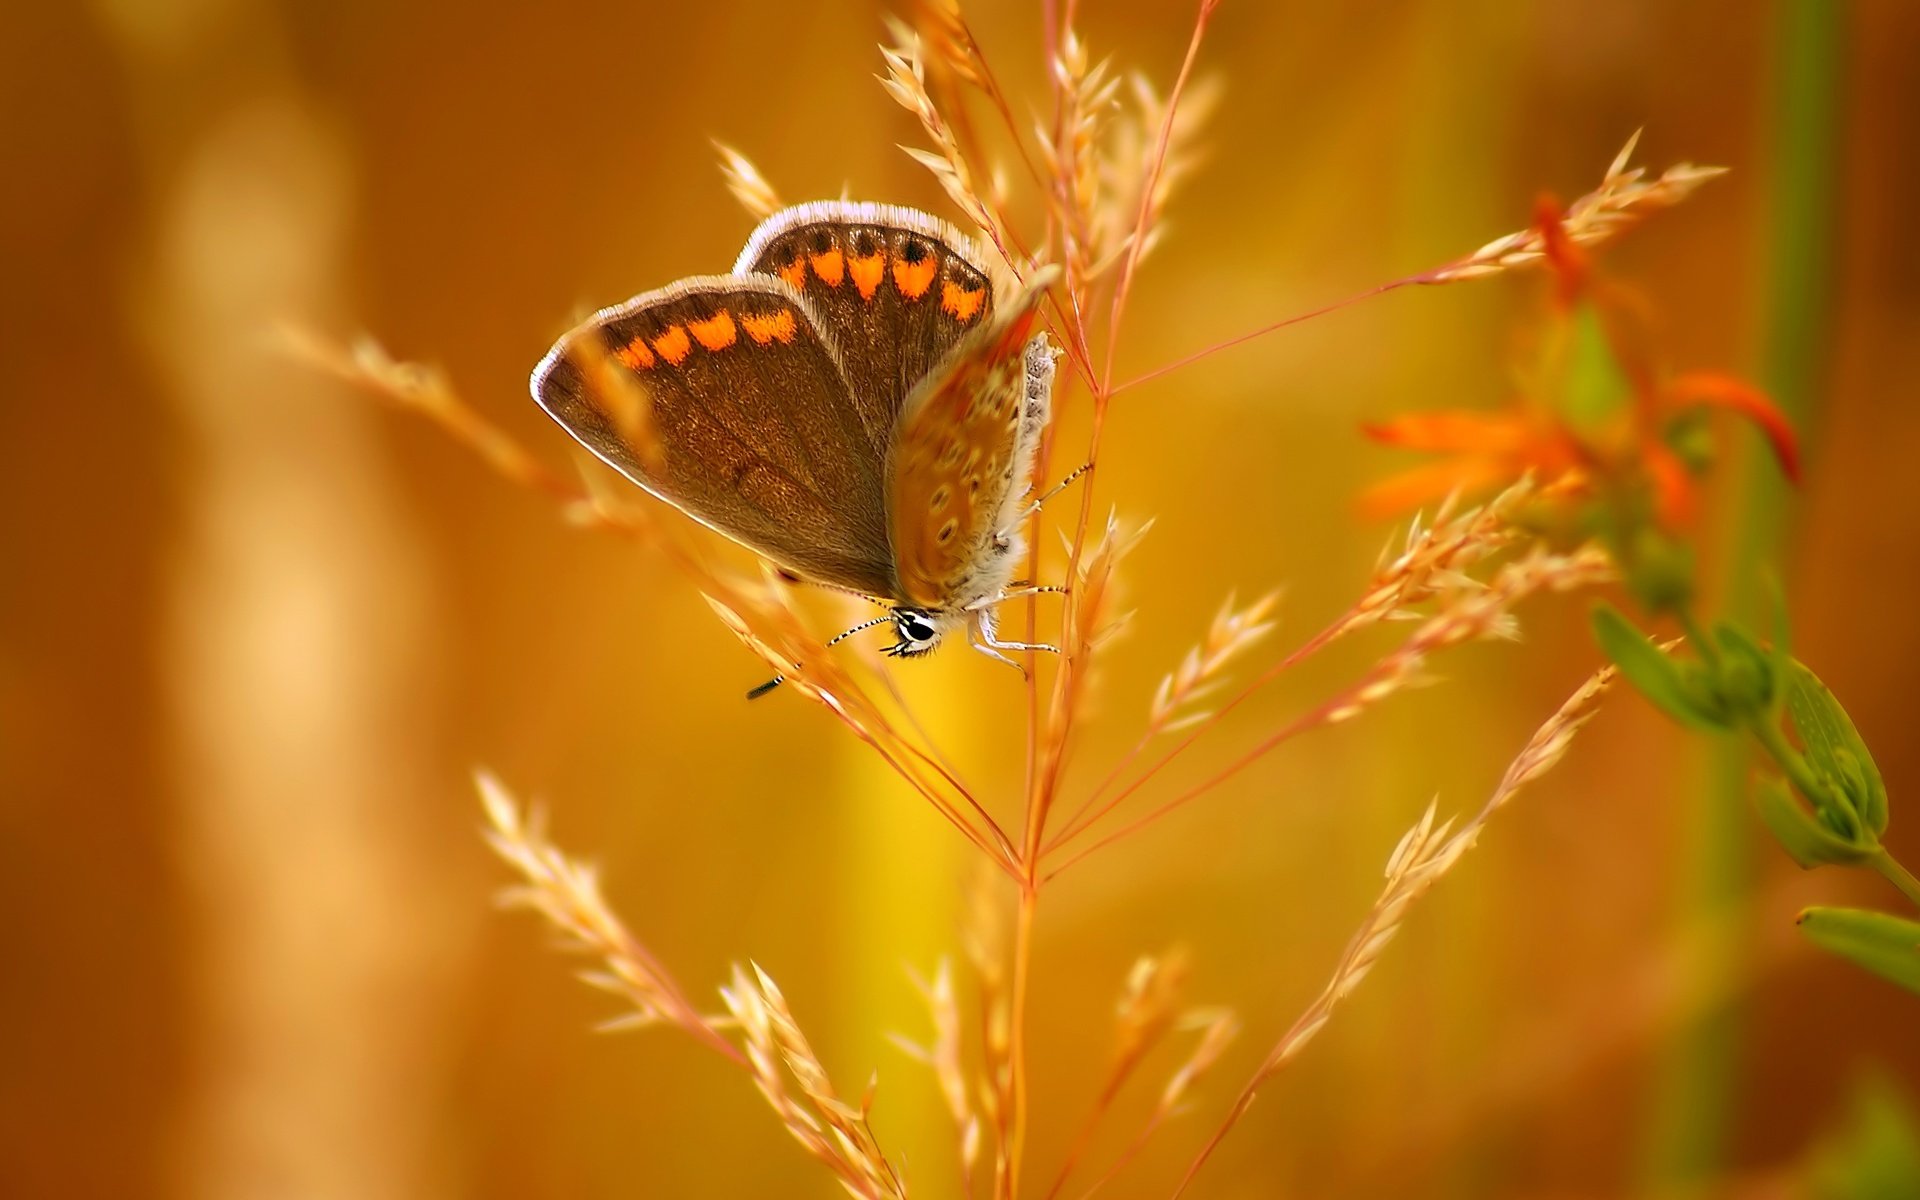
(1127, 1155)
(1274, 327)
(1102, 1104)
(1696, 1074)
(1017, 1035)
(1080, 821)
(1897, 875)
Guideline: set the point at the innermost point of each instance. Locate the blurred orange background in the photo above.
(256, 630)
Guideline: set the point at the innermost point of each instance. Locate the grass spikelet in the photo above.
(1093, 621)
(1218, 1030)
(1087, 95)
(1623, 197)
(426, 391)
(1437, 557)
(944, 1057)
(1126, 166)
(943, 27)
(567, 894)
(1149, 1003)
(1425, 852)
(1148, 1006)
(835, 1132)
(1469, 611)
(906, 82)
(747, 184)
(1232, 633)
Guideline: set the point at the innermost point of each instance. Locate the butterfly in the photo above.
(859, 402)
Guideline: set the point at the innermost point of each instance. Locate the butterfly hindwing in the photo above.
(758, 432)
(960, 462)
(900, 290)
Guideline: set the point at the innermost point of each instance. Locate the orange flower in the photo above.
(1485, 450)
(1534, 435)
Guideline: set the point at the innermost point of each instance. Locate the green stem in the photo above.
(1790, 761)
(1697, 1085)
(1698, 639)
(1897, 875)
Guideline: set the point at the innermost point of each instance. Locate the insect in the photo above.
(860, 402)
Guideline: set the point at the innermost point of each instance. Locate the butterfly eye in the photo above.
(914, 627)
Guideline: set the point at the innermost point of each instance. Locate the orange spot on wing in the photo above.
(795, 272)
(831, 267)
(770, 327)
(634, 355)
(867, 273)
(673, 345)
(913, 279)
(963, 303)
(715, 333)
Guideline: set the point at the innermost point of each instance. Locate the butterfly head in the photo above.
(919, 631)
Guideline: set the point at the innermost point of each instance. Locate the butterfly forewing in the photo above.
(753, 428)
(899, 289)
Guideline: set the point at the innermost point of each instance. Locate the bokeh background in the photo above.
(256, 630)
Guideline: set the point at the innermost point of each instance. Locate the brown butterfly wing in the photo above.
(757, 429)
(899, 288)
(960, 460)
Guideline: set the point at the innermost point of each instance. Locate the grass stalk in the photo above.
(1697, 1081)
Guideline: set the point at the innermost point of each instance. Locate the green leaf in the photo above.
(1886, 945)
(1658, 677)
(1835, 750)
(1805, 836)
(1875, 1155)
(1596, 391)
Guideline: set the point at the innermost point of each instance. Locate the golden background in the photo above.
(256, 630)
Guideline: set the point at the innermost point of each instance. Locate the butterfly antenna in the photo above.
(756, 692)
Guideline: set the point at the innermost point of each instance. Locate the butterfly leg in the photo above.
(1042, 646)
(1015, 593)
(981, 635)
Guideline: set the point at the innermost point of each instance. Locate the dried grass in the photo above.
(1231, 635)
(1148, 1007)
(1625, 196)
(906, 82)
(1107, 162)
(567, 894)
(945, 1057)
(833, 1131)
(747, 184)
(1425, 853)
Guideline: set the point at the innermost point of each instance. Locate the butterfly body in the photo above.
(860, 402)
